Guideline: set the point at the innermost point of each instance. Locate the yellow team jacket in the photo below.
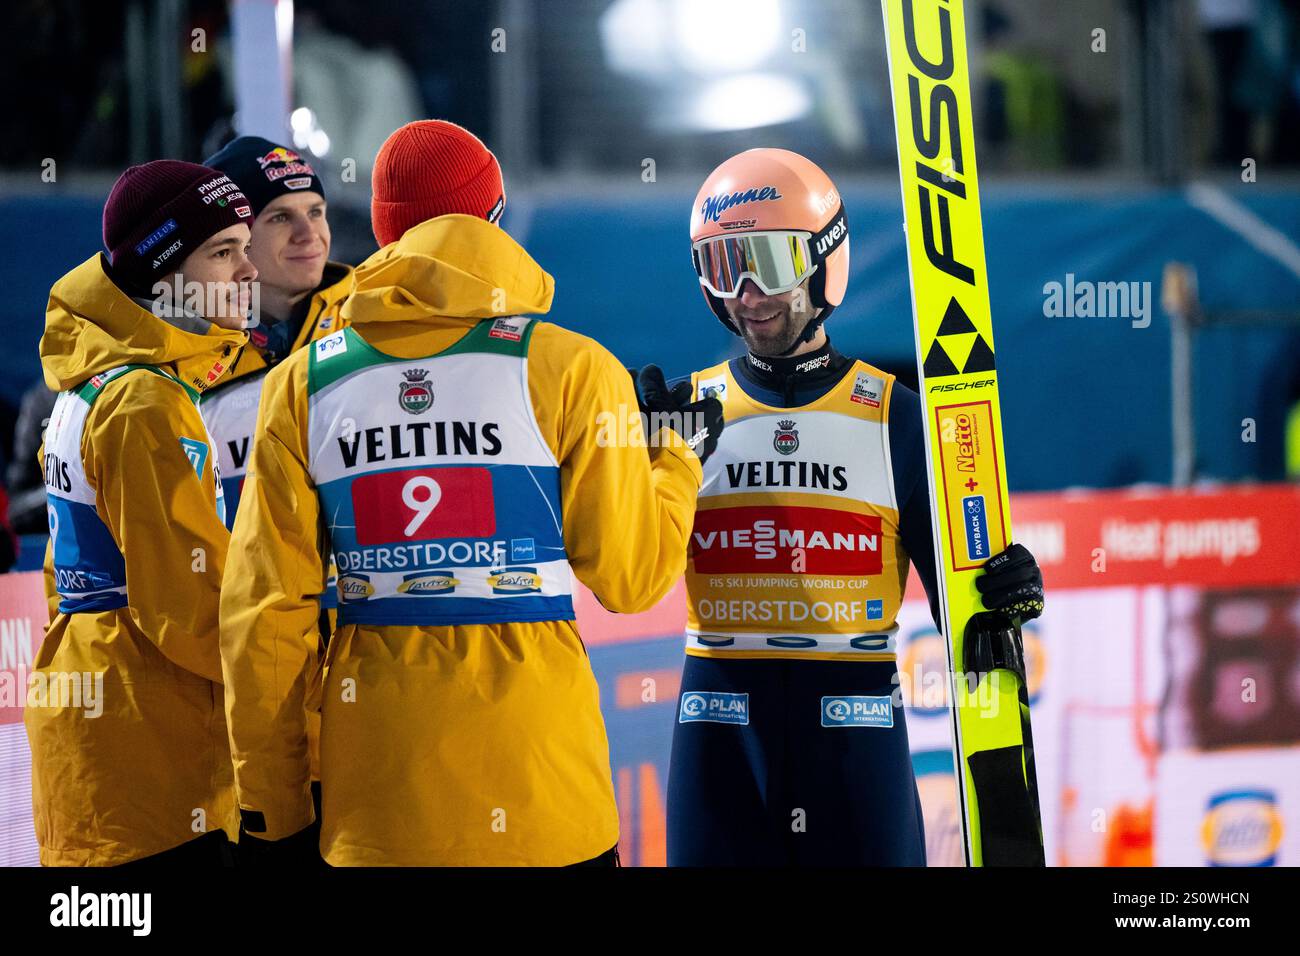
(446, 745)
(152, 770)
(322, 319)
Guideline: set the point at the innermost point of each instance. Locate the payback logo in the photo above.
(415, 395)
(786, 439)
(281, 162)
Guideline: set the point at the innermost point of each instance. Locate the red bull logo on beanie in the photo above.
(281, 162)
(1242, 828)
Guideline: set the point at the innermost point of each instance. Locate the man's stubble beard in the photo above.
(775, 345)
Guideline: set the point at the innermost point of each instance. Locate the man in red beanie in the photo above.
(130, 758)
(462, 462)
(432, 168)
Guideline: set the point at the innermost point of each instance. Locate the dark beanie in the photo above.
(158, 213)
(264, 170)
(432, 168)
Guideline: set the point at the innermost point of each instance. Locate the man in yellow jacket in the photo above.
(125, 716)
(460, 458)
(301, 292)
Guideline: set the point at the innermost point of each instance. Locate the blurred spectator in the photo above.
(1270, 80)
(24, 478)
(1227, 25)
(1025, 98)
(8, 540)
(357, 96)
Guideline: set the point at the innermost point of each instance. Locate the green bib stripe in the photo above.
(359, 354)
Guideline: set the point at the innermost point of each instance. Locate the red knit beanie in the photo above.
(431, 168)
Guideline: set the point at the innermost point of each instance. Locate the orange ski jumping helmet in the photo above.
(772, 216)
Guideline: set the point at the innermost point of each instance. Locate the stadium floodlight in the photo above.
(662, 38)
(752, 29)
(748, 101)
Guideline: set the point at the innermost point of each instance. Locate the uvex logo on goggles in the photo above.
(777, 260)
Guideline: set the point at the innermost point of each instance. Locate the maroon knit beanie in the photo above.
(158, 213)
(431, 168)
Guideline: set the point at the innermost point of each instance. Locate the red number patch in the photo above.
(423, 504)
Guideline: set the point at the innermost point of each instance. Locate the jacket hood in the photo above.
(91, 325)
(453, 267)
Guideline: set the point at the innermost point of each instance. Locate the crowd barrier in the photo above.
(1164, 679)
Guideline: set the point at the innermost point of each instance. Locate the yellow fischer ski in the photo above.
(930, 82)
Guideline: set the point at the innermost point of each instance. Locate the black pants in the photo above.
(608, 858)
(209, 850)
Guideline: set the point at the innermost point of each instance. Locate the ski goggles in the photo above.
(776, 261)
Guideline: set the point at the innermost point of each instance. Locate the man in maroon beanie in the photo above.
(448, 449)
(135, 765)
(167, 221)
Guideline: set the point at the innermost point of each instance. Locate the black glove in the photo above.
(1012, 583)
(698, 423)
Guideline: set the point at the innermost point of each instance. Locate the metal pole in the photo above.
(137, 85)
(261, 35)
(1178, 297)
(168, 18)
(514, 83)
